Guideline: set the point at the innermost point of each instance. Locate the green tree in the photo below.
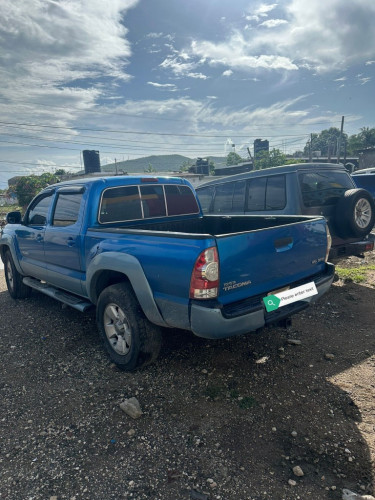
(365, 139)
(60, 171)
(326, 142)
(150, 169)
(273, 158)
(211, 165)
(185, 166)
(234, 159)
(27, 187)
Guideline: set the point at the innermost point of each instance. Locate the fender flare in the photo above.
(8, 243)
(129, 266)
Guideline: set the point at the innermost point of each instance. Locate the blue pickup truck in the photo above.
(142, 252)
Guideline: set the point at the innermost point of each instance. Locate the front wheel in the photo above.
(129, 338)
(16, 288)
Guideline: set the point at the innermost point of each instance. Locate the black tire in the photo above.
(129, 338)
(355, 214)
(16, 288)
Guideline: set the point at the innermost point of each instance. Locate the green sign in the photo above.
(271, 302)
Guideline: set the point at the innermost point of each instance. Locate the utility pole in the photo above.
(340, 138)
(251, 158)
(310, 149)
(116, 165)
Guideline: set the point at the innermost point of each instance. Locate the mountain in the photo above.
(159, 163)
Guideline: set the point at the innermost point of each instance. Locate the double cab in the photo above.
(140, 250)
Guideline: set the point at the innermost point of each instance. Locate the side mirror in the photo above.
(14, 218)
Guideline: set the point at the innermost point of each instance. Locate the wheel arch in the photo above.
(8, 246)
(110, 268)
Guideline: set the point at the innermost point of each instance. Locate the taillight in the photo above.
(204, 282)
(329, 243)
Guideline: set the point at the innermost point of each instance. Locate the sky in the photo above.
(132, 78)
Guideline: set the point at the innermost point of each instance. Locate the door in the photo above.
(30, 236)
(63, 240)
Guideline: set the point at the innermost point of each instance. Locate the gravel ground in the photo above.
(284, 414)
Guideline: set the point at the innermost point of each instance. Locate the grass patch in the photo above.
(234, 394)
(247, 402)
(213, 391)
(355, 274)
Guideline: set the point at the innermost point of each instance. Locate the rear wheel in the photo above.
(355, 214)
(129, 338)
(16, 288)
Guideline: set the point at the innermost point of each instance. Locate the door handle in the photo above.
(71, 242)
(283, 244)
(39, 238)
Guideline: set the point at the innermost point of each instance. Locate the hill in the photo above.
(159, 163)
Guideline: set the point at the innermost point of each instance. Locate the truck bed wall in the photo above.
(214, 224)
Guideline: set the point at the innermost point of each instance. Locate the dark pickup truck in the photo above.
(302, 189)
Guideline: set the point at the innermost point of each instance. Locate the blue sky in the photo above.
(132, 78)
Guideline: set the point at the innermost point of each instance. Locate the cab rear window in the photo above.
(125, 203)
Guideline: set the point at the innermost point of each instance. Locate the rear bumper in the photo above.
(247, 316)
(354, 248)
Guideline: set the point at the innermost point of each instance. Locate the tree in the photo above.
(60, 171)
(326, 142)
(150, 169)
(273, 158)
(365, 139)
(27, 187)
(185, 166)
(211, 165)
(234, 159)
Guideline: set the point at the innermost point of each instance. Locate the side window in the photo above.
(275, 195)
(256, 196)
(120, 204)
(67, 209)
(238, 204)
(205, 195)
(37, 214)
(223, 198)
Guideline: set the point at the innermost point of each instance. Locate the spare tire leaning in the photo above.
(355, 214)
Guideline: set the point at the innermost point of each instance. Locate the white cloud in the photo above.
(154, 35)
(260, 12)
(368, 63)
(47, 48)
(364, 80)
(181, 68)
(164, 86)
(273, 23)
(236, 53)
(325, 38)
(227, 72)
(306, 37)
(199, 76)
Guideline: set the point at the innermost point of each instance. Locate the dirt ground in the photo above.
(227, 420)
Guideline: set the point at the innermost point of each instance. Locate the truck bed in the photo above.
(210, 225)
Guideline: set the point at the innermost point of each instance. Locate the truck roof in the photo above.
(120, 180)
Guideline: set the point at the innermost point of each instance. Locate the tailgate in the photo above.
(265, 260)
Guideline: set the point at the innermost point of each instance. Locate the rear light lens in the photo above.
(204, 283)
(329, 243)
